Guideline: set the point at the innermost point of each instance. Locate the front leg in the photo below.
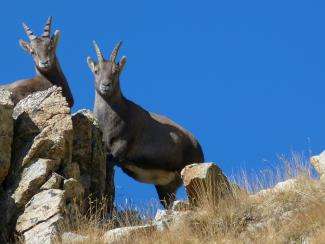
(167, 193)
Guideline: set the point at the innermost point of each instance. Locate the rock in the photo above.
(73, 189)
(180, 205)
(32, 178)
(125, 233)
(72, 171)
(6, 132)
(43, 128)
(54, 182)
(45, 232)
(172, 220)
(70, 237)
(40, 208)
(283, 186)
(205, 180)
(319, 163)
(89, 152)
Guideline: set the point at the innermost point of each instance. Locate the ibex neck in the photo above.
(117, 104)
(56, 77)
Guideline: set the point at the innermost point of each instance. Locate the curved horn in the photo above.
(115, 51)
(47, 27)
(98, 52)
(29, 32)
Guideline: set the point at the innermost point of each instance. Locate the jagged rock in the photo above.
(53, 182)
(6, 132)
(40, 208)
(70, 237)
(73, 189)
(204, 180)
(125, 233)
(43, 128)
(45, 232)
(32, 178)
(89, 151)
(319, 164)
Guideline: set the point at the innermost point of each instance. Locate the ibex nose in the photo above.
(105, 83)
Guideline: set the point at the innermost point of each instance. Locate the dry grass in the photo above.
(291, 216)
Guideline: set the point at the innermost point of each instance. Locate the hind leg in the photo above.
(167, 193)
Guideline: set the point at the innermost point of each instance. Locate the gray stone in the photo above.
(97, 177)
(125, 233)
(180, 205)
(73, 189)
(172, 220)
(45, 232)
(32, 178)
(70, 237)
(319, 164)
(40, 208)
(6, 132)
(54, 182)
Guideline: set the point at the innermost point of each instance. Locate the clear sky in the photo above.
(246, 77)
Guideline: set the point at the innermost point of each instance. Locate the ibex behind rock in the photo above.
(148, 147)
(48, 70)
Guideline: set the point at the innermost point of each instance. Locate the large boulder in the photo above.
(96, 175)
(6, 132)
(205, 182)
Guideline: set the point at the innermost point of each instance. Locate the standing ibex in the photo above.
(147, 146)
(48, 70)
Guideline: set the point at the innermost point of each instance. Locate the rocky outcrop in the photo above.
(96, 176)
(6, 132)
(42, 179)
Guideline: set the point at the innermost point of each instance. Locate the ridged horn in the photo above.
(47, 27)
(29, 32)
(115, 51)
(98, 52)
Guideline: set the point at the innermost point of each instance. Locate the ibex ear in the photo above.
(56, 38)
(25, 46)
(91, 64)
(122, 63)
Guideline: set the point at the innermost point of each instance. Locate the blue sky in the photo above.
(246, 77)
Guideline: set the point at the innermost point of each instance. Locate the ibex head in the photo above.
(42, 48)
(107, 72)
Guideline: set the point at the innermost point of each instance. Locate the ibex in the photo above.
(148, 147)
(48, 70)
